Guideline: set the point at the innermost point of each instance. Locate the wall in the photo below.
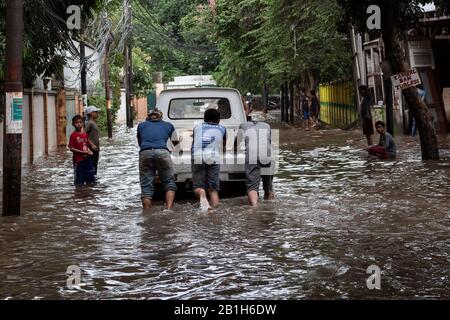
(51, 124)
(121, 114)
(140, 105)
(38, 127)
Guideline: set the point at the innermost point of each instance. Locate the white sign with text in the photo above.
(405, 80)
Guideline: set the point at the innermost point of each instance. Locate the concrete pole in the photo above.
(83, 77)
(12, 149)
(108, 96)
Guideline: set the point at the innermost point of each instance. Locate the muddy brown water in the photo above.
(337, 212)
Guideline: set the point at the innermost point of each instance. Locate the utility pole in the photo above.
(12, 149)
(127, 86)
(282, 100)
(108, 89)
(389, 106)
(83, 76)
(130, 81)
(128, 63)
(266, 97)
(291, 94)
(286, 101)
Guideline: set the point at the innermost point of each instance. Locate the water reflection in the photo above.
(337, 212)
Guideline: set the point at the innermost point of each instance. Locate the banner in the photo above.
(14, 112)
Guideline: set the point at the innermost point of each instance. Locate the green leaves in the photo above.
(142, 73)
(272, 40)
(178, 34)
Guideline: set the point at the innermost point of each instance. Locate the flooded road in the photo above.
(337, 212)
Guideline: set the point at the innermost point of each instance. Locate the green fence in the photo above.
(338, 106)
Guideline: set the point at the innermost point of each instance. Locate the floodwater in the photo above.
(337, 213)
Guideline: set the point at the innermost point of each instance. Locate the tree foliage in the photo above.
(175, 33)
(269, 41)
(142, 73)
(46, 35)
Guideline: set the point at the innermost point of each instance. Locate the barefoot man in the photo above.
(209, 138)
(154, 156)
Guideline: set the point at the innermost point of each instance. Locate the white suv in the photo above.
(184, 108)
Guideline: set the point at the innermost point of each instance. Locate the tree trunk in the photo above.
(397, 60)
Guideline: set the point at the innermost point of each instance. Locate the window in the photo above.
(194, 108)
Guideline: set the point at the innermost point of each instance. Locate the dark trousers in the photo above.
(84, 172)
(95, 156)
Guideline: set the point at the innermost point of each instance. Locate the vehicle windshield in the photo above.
(194, 108)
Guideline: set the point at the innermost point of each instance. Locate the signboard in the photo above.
(14, 112)
(405, 80)
(17, 107)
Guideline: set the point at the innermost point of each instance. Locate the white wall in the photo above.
(122, 113)
(38, 128)
(26, 129)
(51, 123)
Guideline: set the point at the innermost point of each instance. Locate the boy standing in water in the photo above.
(82, 155)
(386, 148)
(92, 131)
(206, 157)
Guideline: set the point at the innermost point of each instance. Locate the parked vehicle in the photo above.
(185, 108)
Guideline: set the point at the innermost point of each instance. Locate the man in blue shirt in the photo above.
(154, 155)
(208, 138)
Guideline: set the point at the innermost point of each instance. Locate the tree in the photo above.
(270, 41)
(236, 22)
(46, 35)
(396, 18)
(142, 73)
(299, 40)
(175, 34)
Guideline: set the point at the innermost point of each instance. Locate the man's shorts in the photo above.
(152, 162)
(253, 179)
(306, 115)
(368, 127)
(206, 176)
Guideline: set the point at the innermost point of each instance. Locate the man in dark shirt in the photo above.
(386, 148)
(153, 135)
(366, 114)
(314, 108)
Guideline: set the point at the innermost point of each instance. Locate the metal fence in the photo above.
(338, 106)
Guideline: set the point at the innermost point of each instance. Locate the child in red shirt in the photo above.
(82, 156)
